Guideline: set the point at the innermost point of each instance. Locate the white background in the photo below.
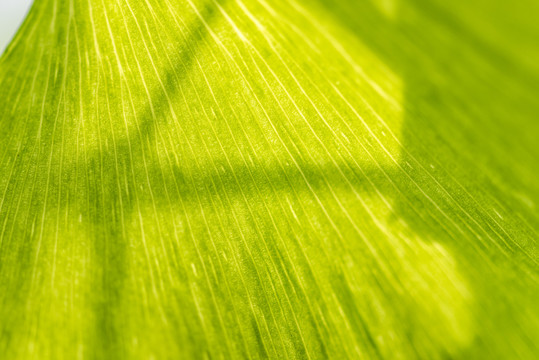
(12, 13)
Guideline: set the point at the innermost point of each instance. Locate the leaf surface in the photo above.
(284, 179)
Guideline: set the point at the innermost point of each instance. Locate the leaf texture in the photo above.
(270, 179)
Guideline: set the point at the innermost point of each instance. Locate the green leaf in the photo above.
(285, 179)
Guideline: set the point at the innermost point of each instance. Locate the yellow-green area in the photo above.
(284, 179)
